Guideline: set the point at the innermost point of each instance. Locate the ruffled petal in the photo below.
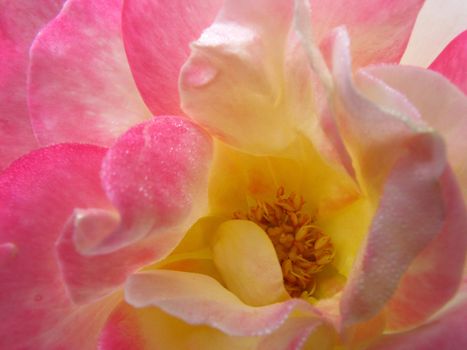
(19, 23)
(38, 194)
(451, 61)
(444, 331)
(150, 328)
(380, 30)
(157, 35)
(80, 85)
(440, 104)
(234, 81)
(248, 263)
(400, 163)
(436, 25)
(82, 275)
(199, 299)
(434, 276)
(155, 175)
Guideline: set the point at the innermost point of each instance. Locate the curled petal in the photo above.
(80, 84)
(441, 106)
(82, 274)
(233, 82)
(157, 35)
(399, 157)
(154, 174)
(32, 216)
(156, 177)
(434, 276)
(409, 215)
(199, 299)
(19, 23)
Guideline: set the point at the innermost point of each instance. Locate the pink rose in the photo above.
(296, 188)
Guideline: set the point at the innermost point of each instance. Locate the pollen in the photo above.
(302, 248)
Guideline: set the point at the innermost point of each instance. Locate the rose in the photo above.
(106, 237)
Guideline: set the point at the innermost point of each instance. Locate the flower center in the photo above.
(302, 248)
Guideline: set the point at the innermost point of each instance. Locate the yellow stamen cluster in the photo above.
(302, 248)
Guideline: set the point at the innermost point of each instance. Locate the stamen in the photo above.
(302, 247)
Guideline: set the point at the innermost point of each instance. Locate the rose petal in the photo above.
(233, 82)
(440, 104)
(435, 27)
(199, 299)
(411, 203)
(157, 36)
(8, 251)
(368, 23)
(32, 215)
(395, 152)
(80, 84)
(82, 275)
(154, 174)
(444, 331)
(19, 23)
(434, 276)
(122, 331)
(291, 335)
(156, 177)
(248, 263)
(151, 328)
(451, 61)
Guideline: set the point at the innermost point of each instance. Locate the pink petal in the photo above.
(439, 267)
(233, 82)
(8, 251)
(451, 61)
(440, 104)
(380, 30)
(122, 331)
(437, 24)
(434, 276)
(38, 193)
(80, 85)
(19, 22)
(149, 328)
(410, 202)
(401, 163)
(156, 177)
(200, 299)
(157, 35)
(291, 335)
(83, 275)
(444, 331)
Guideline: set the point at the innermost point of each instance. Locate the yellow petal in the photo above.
(247, 261)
